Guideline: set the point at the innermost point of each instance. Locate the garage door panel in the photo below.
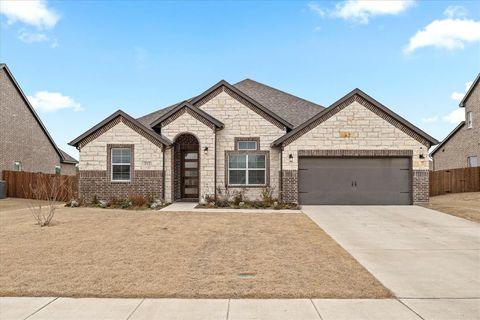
(354, 181)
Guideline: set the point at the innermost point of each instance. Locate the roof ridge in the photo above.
(278, 90)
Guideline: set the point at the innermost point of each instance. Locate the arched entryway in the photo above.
(186, 167)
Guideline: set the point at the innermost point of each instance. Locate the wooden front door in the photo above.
(190, 175)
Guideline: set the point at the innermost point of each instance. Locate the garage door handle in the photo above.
(355, 183)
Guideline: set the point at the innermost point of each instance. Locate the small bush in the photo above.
(267, 196)
(95, 201)
(137, 200)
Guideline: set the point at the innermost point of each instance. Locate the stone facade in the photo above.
(353, 128)
(242, 121)
(465, 142)
(22, 138)
(187, 123)
(94, 168)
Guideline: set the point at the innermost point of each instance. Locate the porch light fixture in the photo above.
(421, 156)
(290, 157)
(205, 151)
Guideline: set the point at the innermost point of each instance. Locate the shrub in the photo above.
(239, 196)
(137, 200)
(267, 196)
(95, 201)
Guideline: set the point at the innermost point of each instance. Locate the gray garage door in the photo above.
(354, 181)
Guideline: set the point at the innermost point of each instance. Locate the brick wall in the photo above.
(22, 139)
(97, 183)
(420, 187)
(465, 142)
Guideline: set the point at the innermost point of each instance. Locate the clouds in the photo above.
(455, 117)
(33, 12)
(458, 96)
(53, 101)
(36, 17)
(447, 34)
(360, 11)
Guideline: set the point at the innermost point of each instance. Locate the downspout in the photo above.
(280, 183)
(163, 173)
(215, 165)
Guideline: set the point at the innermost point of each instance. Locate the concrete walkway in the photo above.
(231, 309)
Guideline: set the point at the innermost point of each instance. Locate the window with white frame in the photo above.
(470, 120)
(17, 166)
(246, 145)
(247, 169)
(472, 161)
(121, 162)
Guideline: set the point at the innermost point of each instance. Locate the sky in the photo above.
(80, 61)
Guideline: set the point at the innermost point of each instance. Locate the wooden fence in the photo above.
(20, 183)
(454, 181)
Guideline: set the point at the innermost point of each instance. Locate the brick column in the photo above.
(420, 186)
(290, 186)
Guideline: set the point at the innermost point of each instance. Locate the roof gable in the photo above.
(470, 90)
(197, 113)
(111, 121)
(64, 157)
(294, 109)
(447, 138)
(368, 102)
(244, 99)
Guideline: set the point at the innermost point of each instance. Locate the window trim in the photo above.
(247, 153)
(469, 120)
(469, 164)
(244, 139)
(110, 164)
(20, 168)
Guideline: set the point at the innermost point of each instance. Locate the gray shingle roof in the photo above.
(67, 158)
(289, 107)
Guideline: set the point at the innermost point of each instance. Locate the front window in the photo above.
(470, 120)
(121, 162)
(17, 166)
(247, 145)
(472, 161)
(247, 169)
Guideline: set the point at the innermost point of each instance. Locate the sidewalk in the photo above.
(237, 309)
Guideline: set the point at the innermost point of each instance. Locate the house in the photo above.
(249, 136)
(461, 148)
(25, 144)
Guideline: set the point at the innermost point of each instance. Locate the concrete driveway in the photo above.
(414, 251)
(423, 256)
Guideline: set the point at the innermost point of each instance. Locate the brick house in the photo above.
(249, 136)
(25, 144)
(461, 148)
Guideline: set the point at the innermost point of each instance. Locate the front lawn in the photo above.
(119, 253)
(464, 205)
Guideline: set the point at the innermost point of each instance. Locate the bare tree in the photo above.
(47, 189)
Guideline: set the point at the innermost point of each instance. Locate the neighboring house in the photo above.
(461, 148)
(25, 144)
(249, 136)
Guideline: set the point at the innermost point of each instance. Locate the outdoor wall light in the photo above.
(205, 150)
(421, 156)
(290, 157)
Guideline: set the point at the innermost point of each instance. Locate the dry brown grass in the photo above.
(464, 205)
(118, 253)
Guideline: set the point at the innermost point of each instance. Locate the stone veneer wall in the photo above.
(147, 171)
(241, 121)
(356, 128)
(187, 123)
(465, 143)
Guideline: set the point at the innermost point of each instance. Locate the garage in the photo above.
(354, 181)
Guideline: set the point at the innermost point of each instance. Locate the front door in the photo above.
(190, 175)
